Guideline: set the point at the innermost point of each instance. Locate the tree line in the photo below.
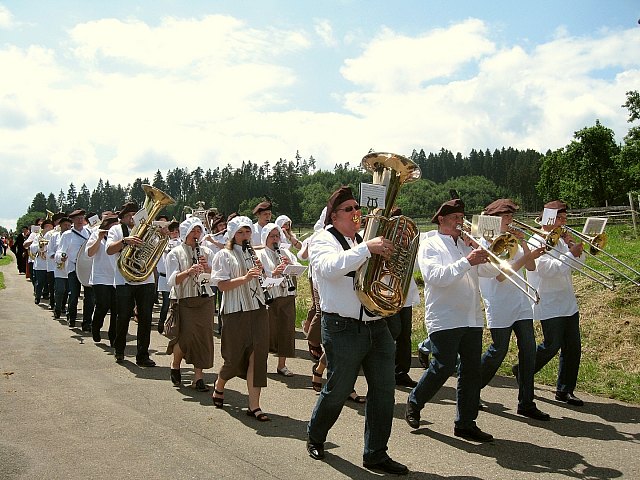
(592, 170)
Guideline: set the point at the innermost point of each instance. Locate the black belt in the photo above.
(355, 319)
(162, 274)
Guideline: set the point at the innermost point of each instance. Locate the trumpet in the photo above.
(290, 285)
(246, 247)
(551, 240)
(506, 246)
(63, 259)
(596, 245)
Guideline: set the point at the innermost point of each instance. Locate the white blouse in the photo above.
(179, 259)
(270, 261)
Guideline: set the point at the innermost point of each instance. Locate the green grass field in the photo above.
(5, 260)
(610, 326)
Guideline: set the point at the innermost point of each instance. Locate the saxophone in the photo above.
(136, 263)
(382, 284)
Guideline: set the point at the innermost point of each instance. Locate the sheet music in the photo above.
(294, 270)
(372, 196)
(272, 282)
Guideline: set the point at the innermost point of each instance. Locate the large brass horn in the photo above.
(381, 285)
(136, 263)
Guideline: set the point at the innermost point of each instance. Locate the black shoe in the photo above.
(50, 307)
(387, 466)
(404, 380)
(412, 415)
(96, 336)
(570, 398)
(86, 328)
(72, 323)
(473, 433)
(160, 327)
(37, 301)
(176, 378)
(200, 386)
(119, 357)
(316, 450)
(534, 413)
(56, 315)
(145, 362)
(423, 358)
(516, 371)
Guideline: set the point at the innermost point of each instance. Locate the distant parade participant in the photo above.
(60, 273)
(245, 337)
(284, 223)
(19, 251)
(454, 320)
(558, 308)
(51, 262)
(130, 294)
(194, 343)
(70, 243)
(38, 249)
(262, 211)
(173, 231)
(282, 311)
(215, 240)
(352, 338)
(102, 279)
(33, 234)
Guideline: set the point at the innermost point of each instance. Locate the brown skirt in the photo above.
(282, 326)
(314, 316)
(196, 331)
(245, 333)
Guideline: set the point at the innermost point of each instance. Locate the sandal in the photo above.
(218, 402)
(258, 414)
(200, 386)
(355, 398)
(284, 371)
(317, 386)
(315, 351)
(176, 378)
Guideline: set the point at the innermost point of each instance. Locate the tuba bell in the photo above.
(382, 284)
(136, 263)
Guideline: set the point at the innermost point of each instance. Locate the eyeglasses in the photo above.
(350, 208)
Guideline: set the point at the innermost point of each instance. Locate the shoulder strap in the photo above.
(125, 229)
(345, 245)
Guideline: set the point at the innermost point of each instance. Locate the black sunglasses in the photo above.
(350, 208)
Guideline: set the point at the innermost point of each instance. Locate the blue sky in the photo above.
(116, 90)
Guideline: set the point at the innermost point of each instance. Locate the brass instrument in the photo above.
(551, 240)
(42, 245)
(246, 247)
(596, 245)
(382, 284)
(502, 249)
(290, 285)
(136, 263)
(200, 212)
(60, 264)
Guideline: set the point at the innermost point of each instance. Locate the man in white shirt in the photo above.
(102, 278)
(51, 263)
(262, 211)
(130, 294)
(351, 337)
(70, 243)
(454, 320)
(60, 272)
(508, 310)
(558, 308)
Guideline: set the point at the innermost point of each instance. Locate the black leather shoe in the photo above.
(72, 323)
(119, 357)
(516, 371)
(473, 433)
(569, 398)
(404, 380)
(387, 466)
(423, 358)
(145, 362)
(534, 413)
(316, 450)
(86, 328)
(412, 415)
(56, 315)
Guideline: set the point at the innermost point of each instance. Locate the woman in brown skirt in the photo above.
(282, 312)
(188, 265)
(245, 336)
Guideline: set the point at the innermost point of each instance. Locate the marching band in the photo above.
(239, 270)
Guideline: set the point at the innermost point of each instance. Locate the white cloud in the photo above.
(6, 17)
(324, 30)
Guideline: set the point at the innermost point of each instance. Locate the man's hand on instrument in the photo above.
(380, 246)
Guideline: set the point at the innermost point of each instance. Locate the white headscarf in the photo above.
(267, 229)
(281, 220)
(189, 224)
(236, 223)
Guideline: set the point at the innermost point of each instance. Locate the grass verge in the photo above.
(5, 260)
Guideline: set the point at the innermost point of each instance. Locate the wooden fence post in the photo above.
(633, 213)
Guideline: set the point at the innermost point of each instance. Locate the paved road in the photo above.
(67, 410)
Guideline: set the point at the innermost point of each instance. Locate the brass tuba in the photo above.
(136, 263)
(381, 285)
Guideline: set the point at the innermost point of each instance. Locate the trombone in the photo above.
(596, 245)
(502, 249)
(551, 240)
